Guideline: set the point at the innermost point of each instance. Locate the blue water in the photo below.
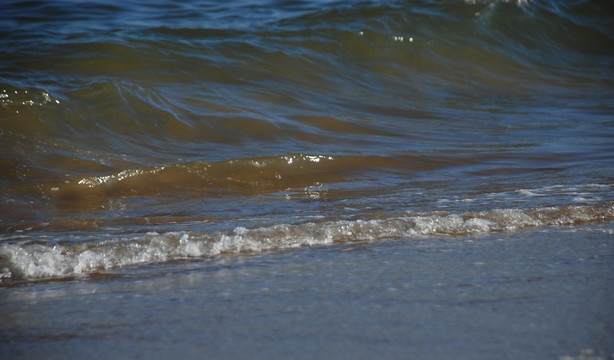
(147, 142)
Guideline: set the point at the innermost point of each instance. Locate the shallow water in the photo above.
(532, 294)
(143, 137)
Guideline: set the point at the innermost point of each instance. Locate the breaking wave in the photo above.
(35, 260)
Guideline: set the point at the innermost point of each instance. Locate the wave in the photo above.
(151, 86)
(249, 176)
(33, 260)
(131, 112)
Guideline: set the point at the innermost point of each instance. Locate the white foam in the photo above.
(22, 261)
(527, 192)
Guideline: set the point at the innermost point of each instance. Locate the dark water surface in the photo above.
(139, 138)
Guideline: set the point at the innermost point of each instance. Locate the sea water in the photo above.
(353, 179)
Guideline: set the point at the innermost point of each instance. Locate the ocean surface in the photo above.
(307, 179)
